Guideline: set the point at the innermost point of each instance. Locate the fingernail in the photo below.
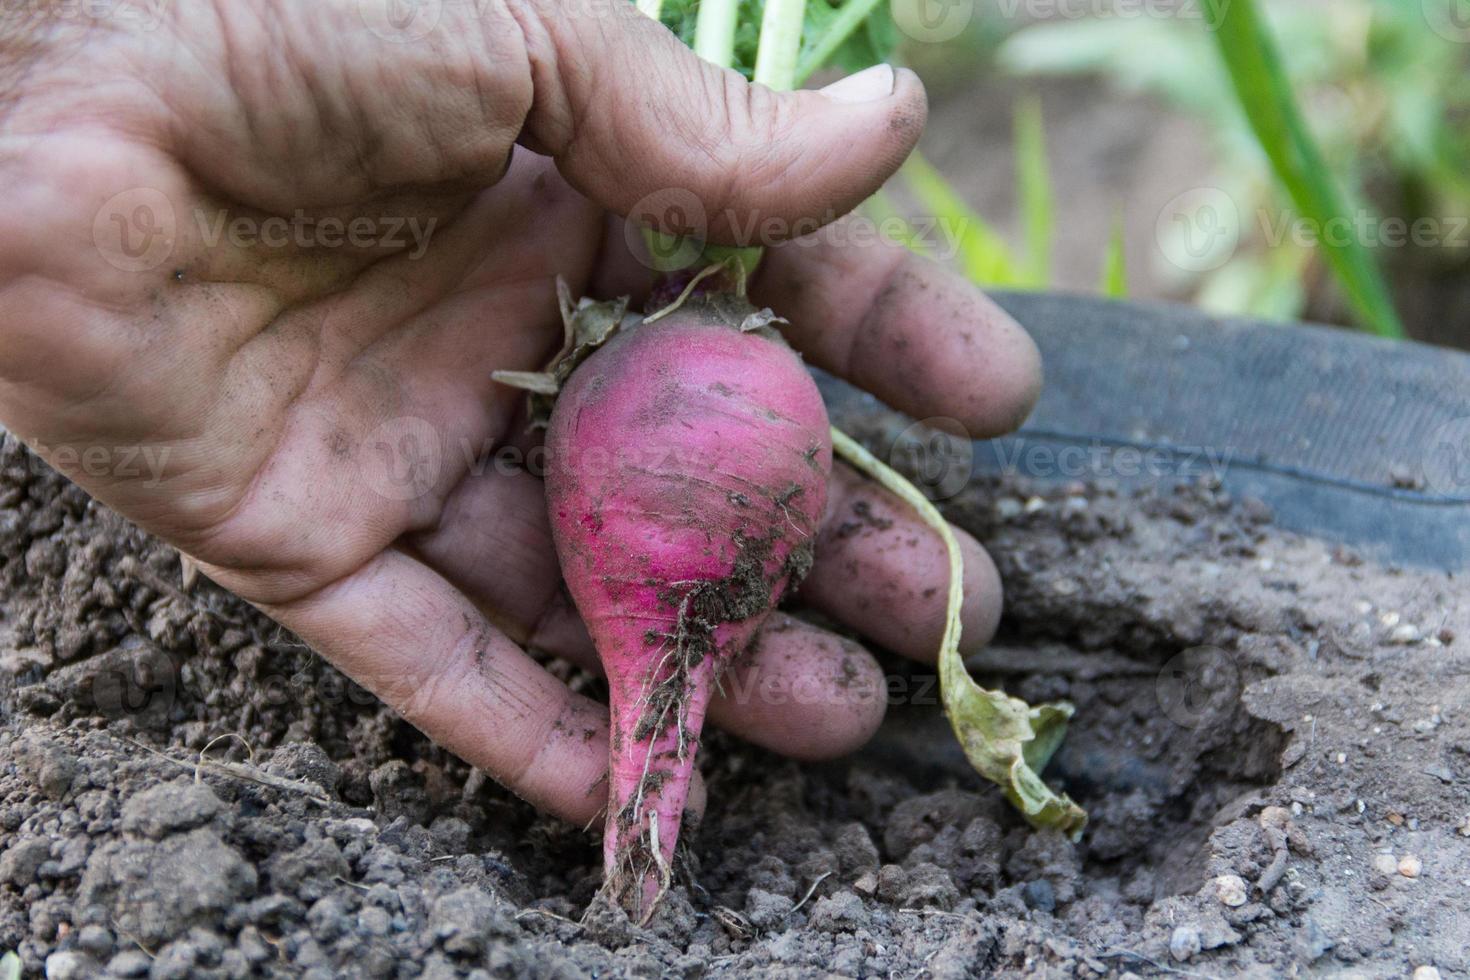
(868, 85)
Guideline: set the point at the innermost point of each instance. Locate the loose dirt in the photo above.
(1272, 738)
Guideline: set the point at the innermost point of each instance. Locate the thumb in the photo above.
(640, 124)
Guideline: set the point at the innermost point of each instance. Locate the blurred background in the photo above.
(1285, 159)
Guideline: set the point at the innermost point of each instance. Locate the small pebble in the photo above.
(1362, 607)
(1008, 507)
(1389, 619)
(1386, 864)
(96, 940)
(1404, 634)
(70, 965)
(1274, 816)
(1231, 890)
(1184, 943)
(1410, 866)
(1426, 973)
(1034, 504)
(1040, 895)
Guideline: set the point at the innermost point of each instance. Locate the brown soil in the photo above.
(1250, 704)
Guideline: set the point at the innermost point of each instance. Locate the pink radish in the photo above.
(689, 464)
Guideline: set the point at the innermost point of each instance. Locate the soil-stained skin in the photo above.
(1321, 764)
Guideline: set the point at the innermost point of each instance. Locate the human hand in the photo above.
(178, 272)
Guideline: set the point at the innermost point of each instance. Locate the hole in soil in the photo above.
(1160, 753)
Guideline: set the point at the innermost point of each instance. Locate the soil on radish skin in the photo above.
(1249, 704)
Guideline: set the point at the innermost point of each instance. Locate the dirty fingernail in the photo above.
(868, 85)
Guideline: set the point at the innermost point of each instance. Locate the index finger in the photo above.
(915, 334)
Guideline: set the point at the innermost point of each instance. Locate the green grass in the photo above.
(1265, 96)
(984, 254)
(1114, 283)
(1033, 188)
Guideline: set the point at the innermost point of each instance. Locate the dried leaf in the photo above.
(534, 381)
(760, 320)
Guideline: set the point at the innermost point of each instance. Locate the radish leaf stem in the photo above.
(853, 15)
(1006, 740)
(714, 32)
(780, 43)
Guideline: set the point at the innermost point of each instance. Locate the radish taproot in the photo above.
(690, 462)
(687, 462)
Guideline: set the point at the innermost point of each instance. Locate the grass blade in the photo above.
(893, 225)
(1265, 95)
(984, 255)
(1033, 187)
(1115, 264)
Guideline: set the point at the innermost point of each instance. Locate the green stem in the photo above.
(714, 41)
(775, 67)
(714, 32)
(854, 14)
(850, 450)
(780, 44)
(1006, 740)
